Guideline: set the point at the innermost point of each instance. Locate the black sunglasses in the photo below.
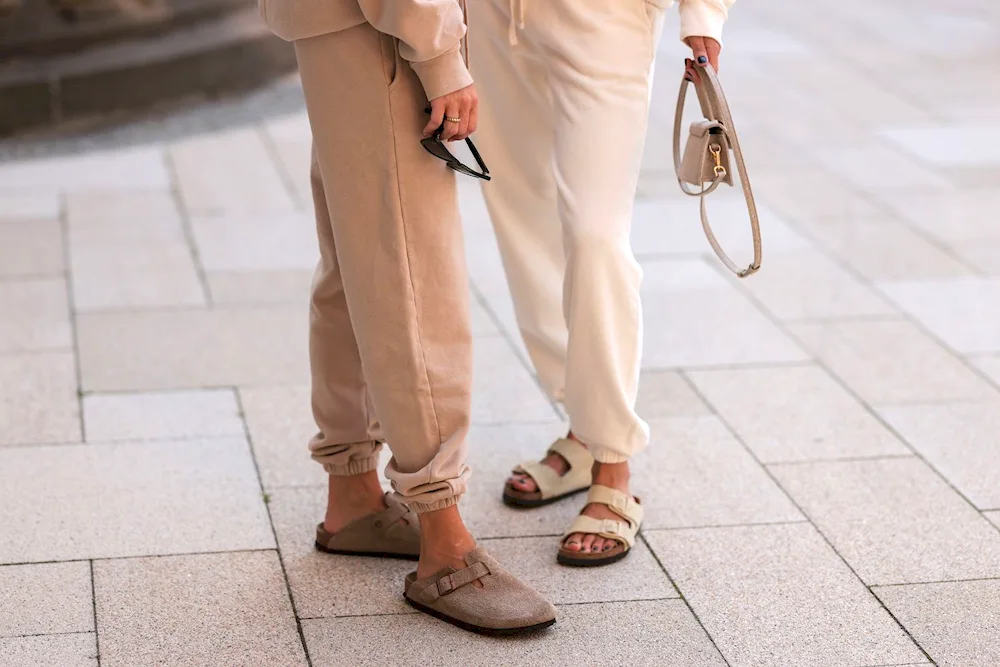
(436, 147)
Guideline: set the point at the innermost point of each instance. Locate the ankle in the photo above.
(356, 489)
(351, 498)
(443, 534)
(614, 475)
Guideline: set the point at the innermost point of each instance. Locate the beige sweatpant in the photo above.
(390, 340)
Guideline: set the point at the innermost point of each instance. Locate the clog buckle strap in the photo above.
(450, 583)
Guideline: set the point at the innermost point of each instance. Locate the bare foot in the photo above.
(616, 476)
(351, 498)
(523, 482)
(444, 542)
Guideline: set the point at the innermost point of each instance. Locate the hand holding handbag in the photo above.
(707, 163)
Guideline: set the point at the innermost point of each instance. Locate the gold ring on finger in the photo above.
(453, 120)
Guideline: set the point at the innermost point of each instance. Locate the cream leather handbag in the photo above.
(707, 163)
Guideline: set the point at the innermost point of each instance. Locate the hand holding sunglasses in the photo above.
(436, 147)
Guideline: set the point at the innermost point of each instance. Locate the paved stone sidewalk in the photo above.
(823, 488)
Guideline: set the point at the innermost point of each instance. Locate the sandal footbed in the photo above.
(578, 559)
(530, 499)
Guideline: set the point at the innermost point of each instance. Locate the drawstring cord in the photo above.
(516, 20)
(465, 40)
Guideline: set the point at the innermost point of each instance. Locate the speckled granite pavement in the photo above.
(823, 487)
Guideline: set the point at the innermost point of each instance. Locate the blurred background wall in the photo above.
(84, 62)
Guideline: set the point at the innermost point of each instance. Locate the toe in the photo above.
(523, 483)
(588, 543)
(609, 545)
(572, 542)
(598, 545)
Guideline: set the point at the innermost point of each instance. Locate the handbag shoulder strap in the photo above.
(715, 108)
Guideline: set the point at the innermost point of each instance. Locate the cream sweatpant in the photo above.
(562, 125)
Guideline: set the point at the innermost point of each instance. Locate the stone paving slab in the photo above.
(49, 598)
(657, 228)
(964, 314)
(706, 327)
(811, 195)
(324, 585)
(881, 248)
(979, 255)
(631, 633)
(862, 359)
(919, 370)
(862, 167)
(161, 415)
(668, 394)
(230, 170)
(946, 217)
(695, 473)
(769, 595)
(808, 285)
(941, 145)
(226, 609)
(38, 399)
(24, 204)
(72, 650)
(894, 520)
(494, 450)
(961, 441)
(990, 366)
(43, 315)
(184, 349)
(256, 241)
(957, 623)
(137, 168)
(532, 559)
(795, 413)
(30, 248)
(279, 422)
(503, 390)
(291, 138)
(80, 501)
(260, 287)
(128, 250)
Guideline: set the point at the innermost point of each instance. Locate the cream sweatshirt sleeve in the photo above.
(430, 34)
(703, 18)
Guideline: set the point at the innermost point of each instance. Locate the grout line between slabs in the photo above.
(842, 459)
(934, 583)
(683, 598)
(49, 634)
(72, 314)
(100, 559)
(274, 532)
(187, 227)
(791, 499)
(93, 600)
(279, 165)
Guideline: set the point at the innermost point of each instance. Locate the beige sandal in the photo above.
(623, 532)
(392, 533)
(551, 485)
(503, 606)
